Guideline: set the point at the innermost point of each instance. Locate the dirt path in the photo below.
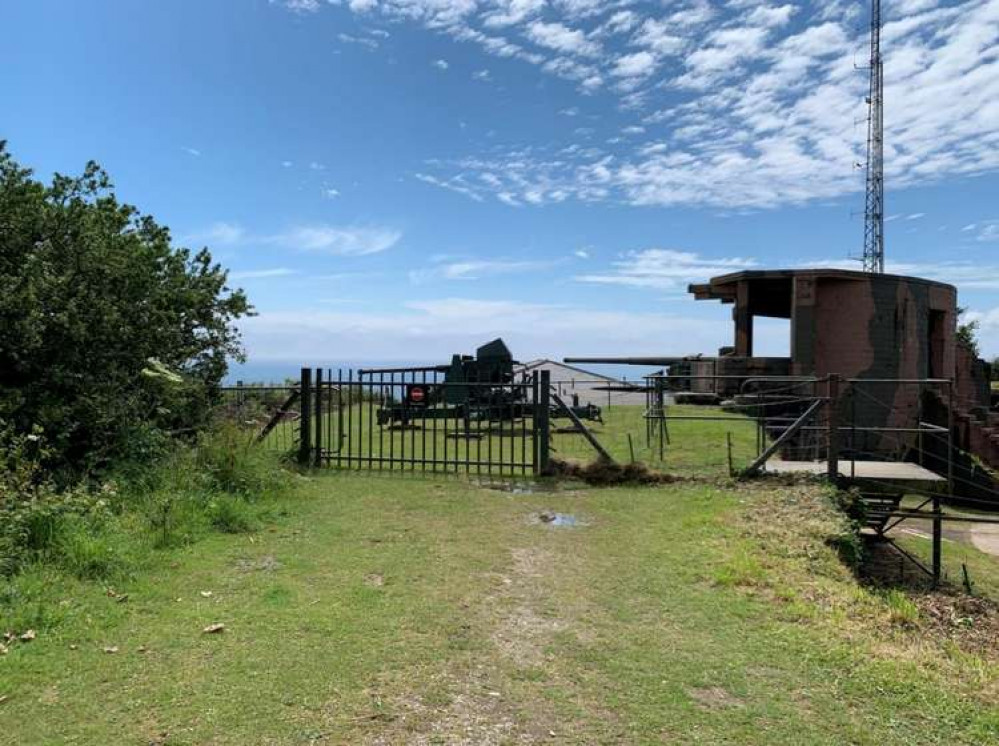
(984, 537)
(485, 704)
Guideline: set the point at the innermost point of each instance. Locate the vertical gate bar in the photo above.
(833, 414)
(319, 418)
(371, 420)
(304, 433)
(329, 424)
(391, 423)
(467, 423)
(523, 435)
(423, 425)
(478, 440)
(338, 425)
(545, 423)
(490, 415)
(853, 429)
(444, 398)
(382, 410)
(350, 418)
(412, 433)
(437, 407)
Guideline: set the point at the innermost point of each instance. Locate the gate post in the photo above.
(305, 419)
(318, 430)
(833, 413)
(544, 422)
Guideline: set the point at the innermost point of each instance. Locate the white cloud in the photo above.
(759, 99)
(434, 329)
(287, 164)
(581, 253)
(449, 268)
(440, 64)
(637, 65)
(262, 273)
(331, 193)
(988, 231)
(482, 75)
(368, 43)
(216, 234)
(561, 38)
(191, 151)
(338, 240)
(664, 269)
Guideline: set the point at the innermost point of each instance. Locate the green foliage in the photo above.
(230, 515)
(32, 508)
(99, 532)
(111, 334)
(901, 609)
(967, 334)
(228, 461)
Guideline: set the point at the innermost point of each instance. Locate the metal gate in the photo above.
(419, 422)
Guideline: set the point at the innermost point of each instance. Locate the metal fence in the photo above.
(269, 413)
(417, 421)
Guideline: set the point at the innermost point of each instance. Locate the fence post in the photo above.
(544, 422)
(305, 419)
(317, 392)
(833, 404)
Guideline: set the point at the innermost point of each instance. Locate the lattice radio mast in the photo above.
(874, 213)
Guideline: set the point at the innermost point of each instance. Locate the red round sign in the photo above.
(416, 395)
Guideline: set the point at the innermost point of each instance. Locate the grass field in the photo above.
(395, 610)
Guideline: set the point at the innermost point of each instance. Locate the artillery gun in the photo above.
(479, 388)
(475, 388)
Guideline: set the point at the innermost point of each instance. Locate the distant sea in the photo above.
(277, 371)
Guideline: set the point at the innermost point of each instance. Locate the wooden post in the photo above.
(833, 414)
(305, 420)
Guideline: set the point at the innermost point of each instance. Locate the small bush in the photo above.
(230, 515)
(227, 459)
(86, 551)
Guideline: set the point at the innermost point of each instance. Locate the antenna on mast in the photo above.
(874, 214)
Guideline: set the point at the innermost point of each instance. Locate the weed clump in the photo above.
(604, 473)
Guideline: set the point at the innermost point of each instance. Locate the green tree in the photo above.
(90, 291)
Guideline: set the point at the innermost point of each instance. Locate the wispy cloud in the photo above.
(450, 268)
(338, 240)
(191, 151)
(440, 64)
(254, 274)
(363, 41)
(216, 234)
(746, 104)
(988, 231)
(664, 269)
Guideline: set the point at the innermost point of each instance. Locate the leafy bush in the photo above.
(97, 305)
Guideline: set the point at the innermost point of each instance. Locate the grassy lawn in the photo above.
(393, 610)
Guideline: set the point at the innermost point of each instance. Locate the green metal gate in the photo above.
(417, 421)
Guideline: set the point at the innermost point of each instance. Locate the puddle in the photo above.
(523, 488)
(558, 519)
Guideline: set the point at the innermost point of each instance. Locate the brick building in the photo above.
(859, 325)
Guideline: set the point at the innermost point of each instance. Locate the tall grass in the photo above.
(101, 532)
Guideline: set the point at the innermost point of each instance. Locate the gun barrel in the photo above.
(410, 369)
(656, 361)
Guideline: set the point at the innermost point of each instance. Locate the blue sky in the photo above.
(400, 179)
